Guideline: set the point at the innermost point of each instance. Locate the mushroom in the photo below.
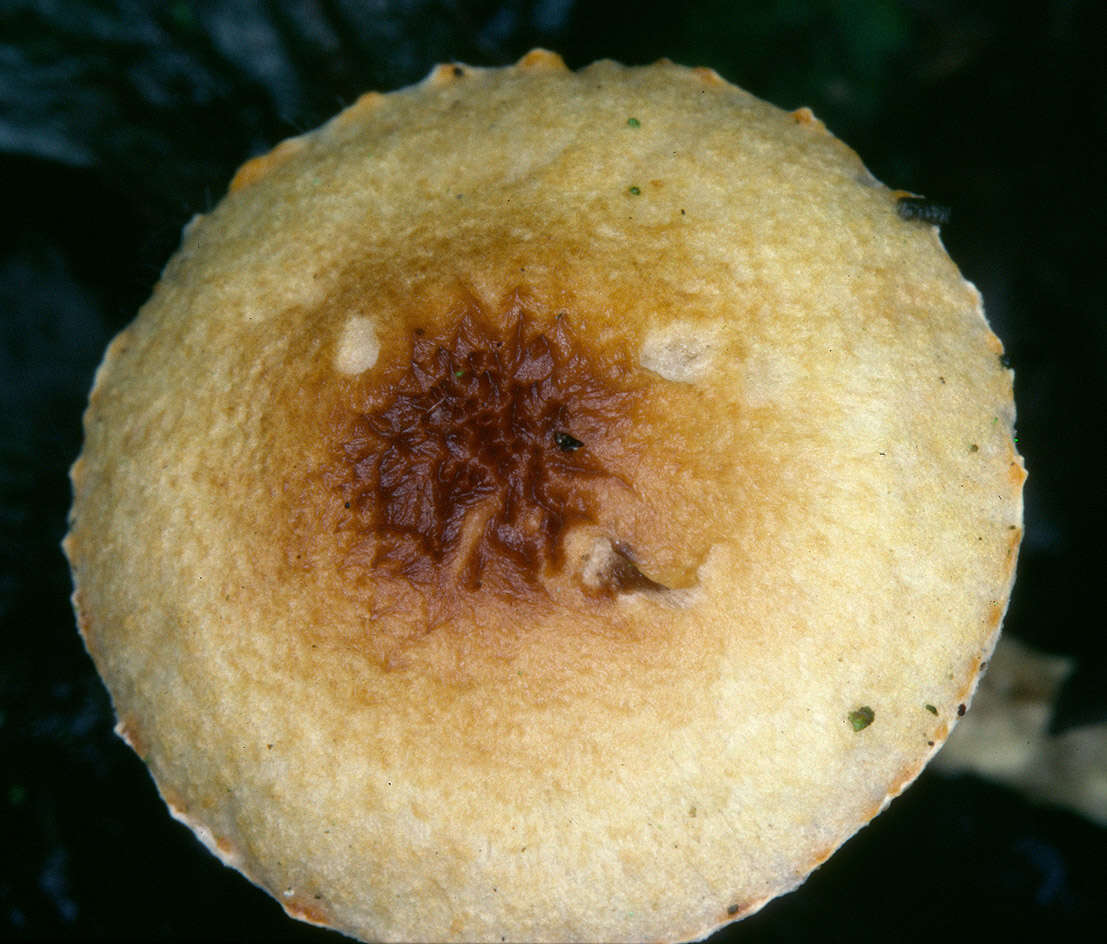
(546, 505)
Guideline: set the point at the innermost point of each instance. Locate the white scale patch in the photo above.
(358, 348)
(680, 352)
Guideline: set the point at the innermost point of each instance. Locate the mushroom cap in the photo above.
(545, 505)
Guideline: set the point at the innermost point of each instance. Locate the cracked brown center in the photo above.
(471, 465)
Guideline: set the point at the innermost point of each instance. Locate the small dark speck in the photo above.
(566, 442)
(974, 448)
(458, 72)
(347, 504)
(922, 210)
(1005, 360)
(929, 743)
(942, 379)
(932, 709)
(732, 910)
(961, 711)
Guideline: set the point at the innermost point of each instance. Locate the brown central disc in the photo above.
(473, 460)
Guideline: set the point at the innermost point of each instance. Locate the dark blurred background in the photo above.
(119, 119)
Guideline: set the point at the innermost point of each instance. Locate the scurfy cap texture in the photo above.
(544, 505)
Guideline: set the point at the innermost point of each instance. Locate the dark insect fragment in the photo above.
(922, 210)
(566, 442)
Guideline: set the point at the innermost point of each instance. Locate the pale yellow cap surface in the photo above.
(546, 506)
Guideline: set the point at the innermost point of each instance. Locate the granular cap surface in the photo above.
(544, 505)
